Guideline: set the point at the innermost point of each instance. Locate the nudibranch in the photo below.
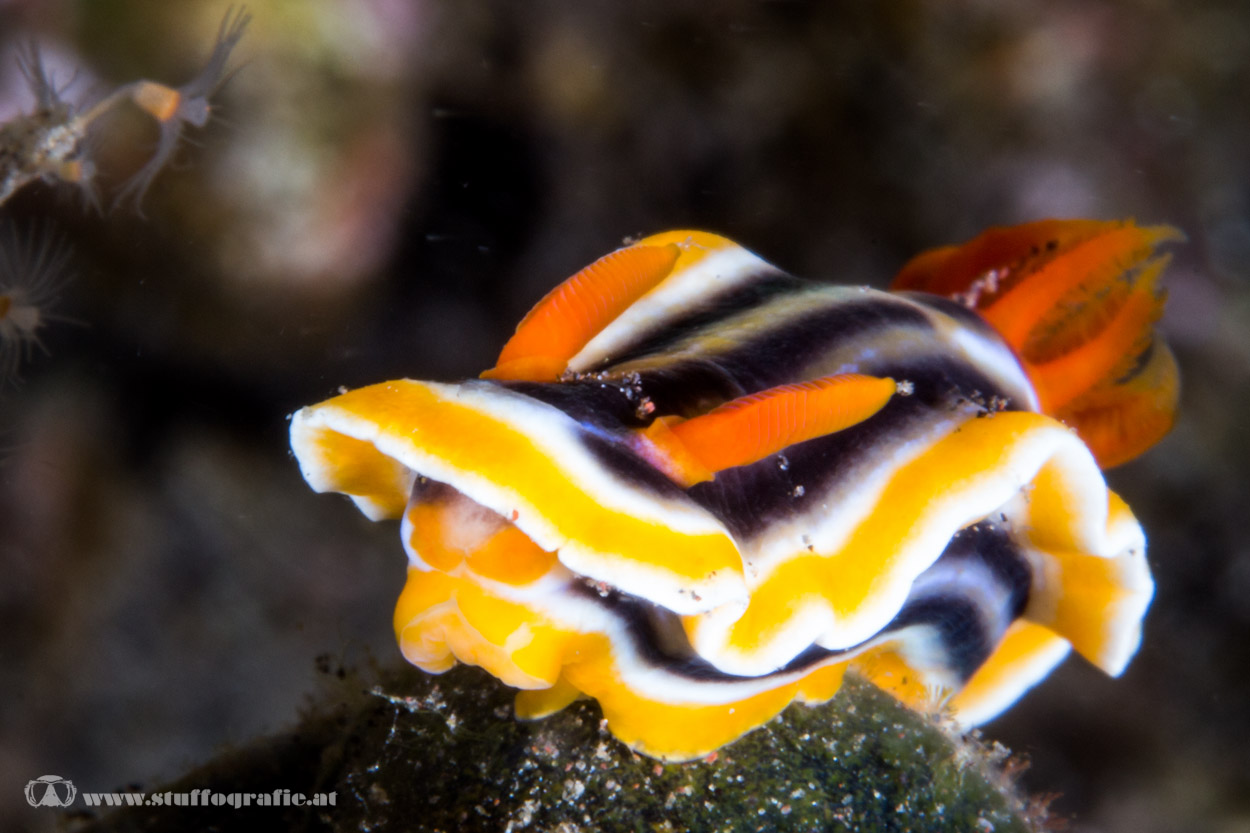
(697, 488)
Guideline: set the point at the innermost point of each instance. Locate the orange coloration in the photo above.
(890, 672)
(873, 564)
(1086, 310)
(1009, 251)
(694, 245)
(537, 703)
(1012, 252)
(528, 369)
(1091, 587)
(1026, 654)
(753, 427)
(1106, 355)
(1121, 419)
(159, 101)
(562, 323)
(660, 447)
(419, 423)
(1093, 265)
(427, 537)
(354, 467)
(1077, 301)
(511, 557)
(513, 521)
(677, 732)
(444, 534)
(441, 619)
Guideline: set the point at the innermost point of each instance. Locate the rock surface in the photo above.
(425, 753)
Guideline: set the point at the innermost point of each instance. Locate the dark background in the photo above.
(387, 186)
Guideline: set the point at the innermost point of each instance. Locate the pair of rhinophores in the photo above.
(697, 488)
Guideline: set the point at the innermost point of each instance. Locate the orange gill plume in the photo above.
(1077, 300)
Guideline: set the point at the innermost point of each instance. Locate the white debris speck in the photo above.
(573, 789)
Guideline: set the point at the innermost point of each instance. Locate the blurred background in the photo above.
(387, 185)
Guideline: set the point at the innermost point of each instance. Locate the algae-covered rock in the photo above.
(422, 753)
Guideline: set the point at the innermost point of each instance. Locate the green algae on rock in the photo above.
(422, 753)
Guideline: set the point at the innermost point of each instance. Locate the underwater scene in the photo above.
(752, 415)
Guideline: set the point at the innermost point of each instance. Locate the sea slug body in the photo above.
(697, 488)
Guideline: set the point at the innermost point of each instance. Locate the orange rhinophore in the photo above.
(571, 315)
(1077, 301)
(753, 427)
